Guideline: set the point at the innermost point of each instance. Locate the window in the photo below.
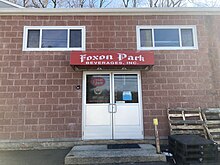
(166, 37)
(54, 38)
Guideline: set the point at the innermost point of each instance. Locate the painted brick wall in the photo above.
(38, 99)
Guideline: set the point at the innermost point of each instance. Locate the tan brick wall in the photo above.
(213, 26)
(38, 98)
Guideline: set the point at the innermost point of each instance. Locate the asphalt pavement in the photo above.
(45, 157)
(50, 157)
(34, 157)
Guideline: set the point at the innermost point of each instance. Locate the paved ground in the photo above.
(43, 157)
(46, 157)
(33, 157)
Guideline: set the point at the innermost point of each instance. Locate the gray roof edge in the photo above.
(111, 11)
(11, 4)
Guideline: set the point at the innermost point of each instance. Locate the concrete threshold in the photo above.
(99, 154)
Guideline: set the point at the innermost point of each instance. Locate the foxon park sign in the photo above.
(112, 58)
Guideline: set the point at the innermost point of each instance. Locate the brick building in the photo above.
(46, 95)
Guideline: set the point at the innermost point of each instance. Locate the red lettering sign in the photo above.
(112, 58)
(97, 81)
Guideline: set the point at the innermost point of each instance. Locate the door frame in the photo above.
(111, 72)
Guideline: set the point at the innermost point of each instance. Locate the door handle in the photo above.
(112, 108)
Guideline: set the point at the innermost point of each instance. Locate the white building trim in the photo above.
(111, 11)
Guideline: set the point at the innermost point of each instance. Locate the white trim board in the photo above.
(112, 11)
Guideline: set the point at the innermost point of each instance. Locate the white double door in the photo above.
(112, 105)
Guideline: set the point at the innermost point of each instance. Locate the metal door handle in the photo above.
(114, 106)
(111, 107)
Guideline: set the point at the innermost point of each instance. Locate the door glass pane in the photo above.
(187, 37)
(166, 37)
(54, 39)
(97, 88)
(75, 38)
(33, 38)
(146, 38)
(126, 88)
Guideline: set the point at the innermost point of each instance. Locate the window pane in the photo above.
(146, 38)
(187, 37)
(126, 88)
(75, 38)
(97, 88)
(33, 38)
(54, 39)
(166, 38)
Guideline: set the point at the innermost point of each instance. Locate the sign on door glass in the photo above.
(97, 88)
(126, 88)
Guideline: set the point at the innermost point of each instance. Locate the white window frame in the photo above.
(194, 31)
(68, 28)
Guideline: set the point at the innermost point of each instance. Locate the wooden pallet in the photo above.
(186, 121)
(211, 117)
(192, 149)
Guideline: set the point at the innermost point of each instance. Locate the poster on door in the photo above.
(127, 96)
(98, 88)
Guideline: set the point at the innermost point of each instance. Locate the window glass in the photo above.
(97, 88)
(126, 88)
(187, 37)
(33, 38)
(166, 37)
(146, 38)
(75, 38)
(54, 39)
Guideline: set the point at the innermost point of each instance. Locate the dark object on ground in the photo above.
(192, 149)
(122, 146)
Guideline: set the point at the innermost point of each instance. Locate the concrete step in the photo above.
(99, 154)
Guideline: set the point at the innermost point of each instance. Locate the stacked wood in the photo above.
(186, 121)
(211, 117)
